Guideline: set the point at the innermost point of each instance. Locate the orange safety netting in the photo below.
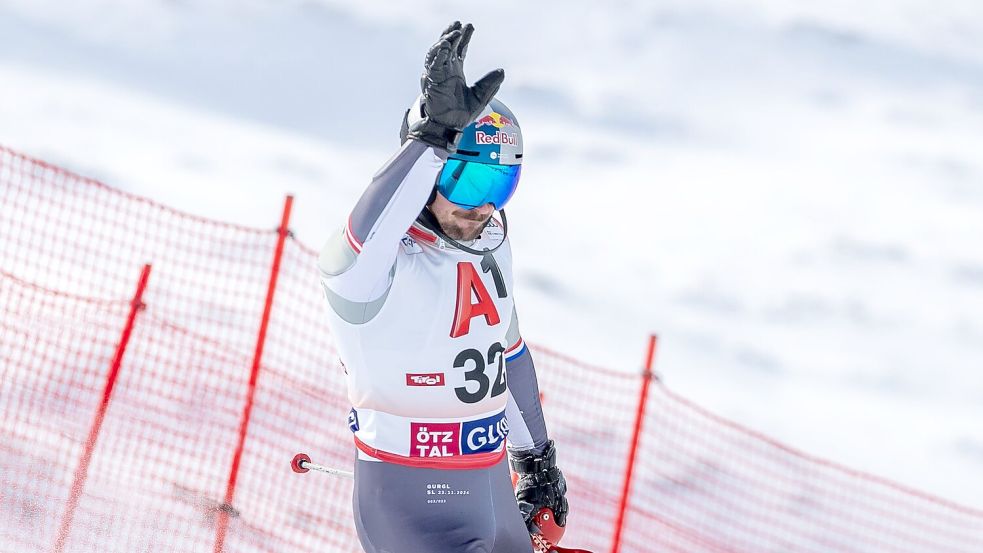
(224, 377)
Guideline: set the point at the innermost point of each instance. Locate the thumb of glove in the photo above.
(486, 88)
(526, 509)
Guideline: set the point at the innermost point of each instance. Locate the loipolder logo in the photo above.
(429, 379)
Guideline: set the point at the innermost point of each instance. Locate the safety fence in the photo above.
(159, 370)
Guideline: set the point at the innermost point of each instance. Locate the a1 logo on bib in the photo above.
(469, 285)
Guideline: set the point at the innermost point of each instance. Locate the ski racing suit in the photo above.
(437, 371)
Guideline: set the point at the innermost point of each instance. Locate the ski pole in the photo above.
(301, 463)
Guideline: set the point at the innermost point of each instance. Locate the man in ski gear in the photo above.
(419, 281)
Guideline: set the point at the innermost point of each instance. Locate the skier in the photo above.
(419, 281)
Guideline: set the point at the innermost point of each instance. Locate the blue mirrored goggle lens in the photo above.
(471, 185)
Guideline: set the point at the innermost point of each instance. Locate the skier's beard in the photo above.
(453, 228)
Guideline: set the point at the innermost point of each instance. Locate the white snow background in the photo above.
(790, 194)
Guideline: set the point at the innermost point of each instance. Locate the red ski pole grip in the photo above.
(547, 525)
(298, 463)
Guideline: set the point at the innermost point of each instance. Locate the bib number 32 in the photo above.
(477, 373)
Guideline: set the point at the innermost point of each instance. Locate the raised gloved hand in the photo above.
(540, 484)
(449, 104)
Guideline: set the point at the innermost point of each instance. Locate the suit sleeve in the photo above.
(524, 411)
(357, 261)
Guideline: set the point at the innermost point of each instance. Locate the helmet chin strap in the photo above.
(429, 220)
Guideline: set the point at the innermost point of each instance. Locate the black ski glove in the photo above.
(449, 104)
(540, 485)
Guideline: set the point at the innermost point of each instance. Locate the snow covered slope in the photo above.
(790, 194)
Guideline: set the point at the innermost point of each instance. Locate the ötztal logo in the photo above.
(427, 379)
(435, 439)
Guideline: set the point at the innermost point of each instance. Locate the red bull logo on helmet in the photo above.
(501, 137)
(494, 119)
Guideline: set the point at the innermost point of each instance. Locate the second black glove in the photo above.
(540, 484)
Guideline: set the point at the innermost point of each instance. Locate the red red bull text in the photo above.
(501, 137)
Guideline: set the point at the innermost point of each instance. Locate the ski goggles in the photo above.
(470, 184)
